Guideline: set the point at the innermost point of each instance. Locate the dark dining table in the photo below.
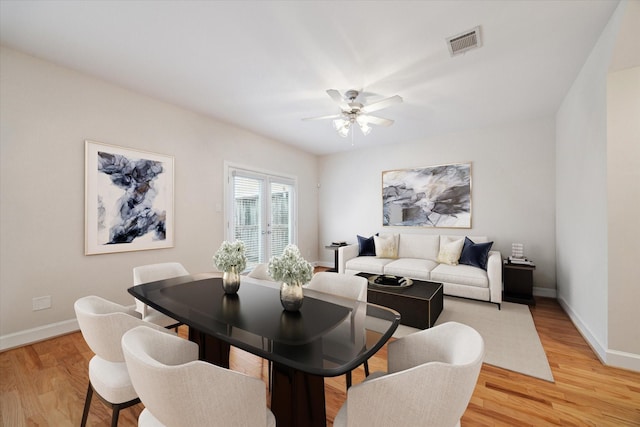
(329, 336)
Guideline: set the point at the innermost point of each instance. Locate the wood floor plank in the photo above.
(44, 384)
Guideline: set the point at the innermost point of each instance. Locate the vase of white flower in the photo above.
(291, 296)
(231, 280)
(231, 260)
(293, 271)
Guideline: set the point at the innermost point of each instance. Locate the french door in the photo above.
(261, 213)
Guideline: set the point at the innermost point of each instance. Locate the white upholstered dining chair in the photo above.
(342, 285)
(151, 273)
(431, 377)
(179, 390)
(102, 324)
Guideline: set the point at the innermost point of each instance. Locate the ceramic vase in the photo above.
(231, 280)
(291, 296)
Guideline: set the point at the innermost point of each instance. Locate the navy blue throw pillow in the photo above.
(475, 254)
(367, 246)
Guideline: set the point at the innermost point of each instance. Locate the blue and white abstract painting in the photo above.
(436, 196)
(129, 199)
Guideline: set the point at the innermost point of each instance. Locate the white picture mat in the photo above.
(99, 186)
(432, 196)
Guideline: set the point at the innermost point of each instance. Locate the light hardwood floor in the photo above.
(44, 384)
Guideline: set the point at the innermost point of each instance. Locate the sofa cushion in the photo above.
(450, 250)
(414, 268)
(460, 274)
(367, 264)
(418, 246)
(386, 246)
(367, 246)
(475, 254)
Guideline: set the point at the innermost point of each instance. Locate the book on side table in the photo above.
(519, 261)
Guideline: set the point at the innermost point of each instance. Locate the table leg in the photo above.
(211, 349)
(297, 398)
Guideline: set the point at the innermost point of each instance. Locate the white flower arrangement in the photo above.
(290, 267)
(229, 255)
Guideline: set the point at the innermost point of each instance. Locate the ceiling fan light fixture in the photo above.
(342, 126)
(364, 127)
(353, 112)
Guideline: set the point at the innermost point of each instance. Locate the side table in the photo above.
(334, 248)
(518, 283)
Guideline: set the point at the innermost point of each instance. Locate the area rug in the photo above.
(510, 336)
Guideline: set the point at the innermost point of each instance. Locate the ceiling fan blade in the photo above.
(375, 120)
(379, 105)
(332, 116)
(337, 97)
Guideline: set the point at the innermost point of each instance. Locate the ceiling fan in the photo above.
(353, 112)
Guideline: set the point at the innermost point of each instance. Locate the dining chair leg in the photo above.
(115, 415)
(87, 405)
(175, 327)
(269, 364)
(366, 373)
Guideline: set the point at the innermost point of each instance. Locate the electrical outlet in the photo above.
(41, 303)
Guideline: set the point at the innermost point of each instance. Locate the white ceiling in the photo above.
(265, 65)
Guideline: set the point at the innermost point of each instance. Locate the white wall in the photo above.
(513, 178)
(623, 160)
(46, 113)
(581, 195)
(597, 193)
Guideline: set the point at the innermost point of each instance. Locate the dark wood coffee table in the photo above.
(419, 305)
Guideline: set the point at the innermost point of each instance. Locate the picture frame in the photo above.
(433, 196)
(129, 199)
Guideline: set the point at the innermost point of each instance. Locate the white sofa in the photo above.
(417, 259)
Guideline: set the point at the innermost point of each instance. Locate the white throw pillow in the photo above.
(386, 245)
(450, 250)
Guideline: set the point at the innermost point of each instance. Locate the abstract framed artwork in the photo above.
(128, 199)
(434, 196)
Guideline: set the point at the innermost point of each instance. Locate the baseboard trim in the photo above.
(596, 346)
(40, 333)
(613, 358)
(624, 360)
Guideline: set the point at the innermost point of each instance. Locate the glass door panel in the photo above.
(248, 212)
(280, 225)
(262, 214)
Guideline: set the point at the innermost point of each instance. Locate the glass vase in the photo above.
(291, 296)
(231, 280)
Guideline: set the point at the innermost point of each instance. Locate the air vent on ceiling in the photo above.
(463, 42)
